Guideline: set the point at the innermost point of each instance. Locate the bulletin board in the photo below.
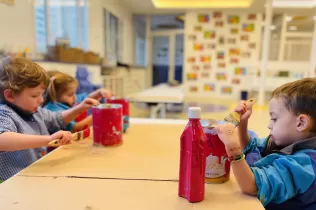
(221, 52)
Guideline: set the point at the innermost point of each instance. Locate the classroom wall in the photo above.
(17, 25)
(221, 57)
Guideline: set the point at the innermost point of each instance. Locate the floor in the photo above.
(211, 109)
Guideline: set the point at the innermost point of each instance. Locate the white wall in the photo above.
(17, 26)
(96, 30)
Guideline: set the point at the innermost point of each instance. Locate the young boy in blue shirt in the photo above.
(25, 127)
(282, 174)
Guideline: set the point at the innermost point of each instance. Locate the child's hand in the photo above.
(244, 109)
(64, 136)
(105, 93)
(88, 103)
(228, 135)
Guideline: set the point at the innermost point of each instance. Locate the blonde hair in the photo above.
(19, 73)
(59, 83)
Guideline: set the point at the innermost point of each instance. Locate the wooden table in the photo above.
(141, 174)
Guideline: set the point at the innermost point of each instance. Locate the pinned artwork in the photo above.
(205, 75)
(234, 52)
(207, 67)
(209, 34)
(220, 55)
(252, 17)
(211, 46)
(205, 59)
(209, 87)
(235, 81)
(198, 47)
(234, 60)
(226, 90)
(195, 68)
(192, 37)
(191, 59)
(198, 28)
(231, 41)
(221, 40)
(192, 76)
(240, 71)
(233, 19)
(219, 24)
(248, 27)
(244, 38)
(217, 14)
(221, 65)
(193, 89)
(221, 76)
(203, 18)
(246, 54)
(234, 30)
(252, 45)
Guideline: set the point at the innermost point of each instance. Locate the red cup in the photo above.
(125, 104)
(107, 124)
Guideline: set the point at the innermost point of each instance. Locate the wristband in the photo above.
(237, 158)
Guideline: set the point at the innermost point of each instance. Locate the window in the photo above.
(113, 37)
(61, 19)
(140, 40)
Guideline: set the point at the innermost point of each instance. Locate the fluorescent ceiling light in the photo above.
(294, 3)
(292, 28)
(202, 3)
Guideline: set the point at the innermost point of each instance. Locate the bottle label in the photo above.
(215, 166)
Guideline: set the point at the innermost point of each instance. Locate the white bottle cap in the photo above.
(194, 113)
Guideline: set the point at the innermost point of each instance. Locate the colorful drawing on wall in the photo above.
(233, 19)
(193, 89)
(220, 55)
(244, 38)
(205, 59)
(234, 60)
(192, 76)
(252, 17)
(246, 54)
(198, 47)
(209, 87)
(235, 81)
(211, 46)
(205, 75)
(248, 27)
(221, 65)
(192, 37)
(207, 67)
(234, 30)
(221, 76)
(221, 40)
(231, 41)
(191, 59)
(198, 28)
(227, 90)
(217, 14)
(209, 34)
(219, 24)
(252, 45)
(234, 52)
(195, 68)
(202, 18)
(240, 71)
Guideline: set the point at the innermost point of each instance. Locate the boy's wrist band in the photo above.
(236, 158)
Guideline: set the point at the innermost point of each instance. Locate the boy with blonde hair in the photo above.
(24, 125)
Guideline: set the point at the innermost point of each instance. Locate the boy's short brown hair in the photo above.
(19, 73)
(299, 96)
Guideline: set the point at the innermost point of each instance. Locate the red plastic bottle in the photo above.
(192, 159)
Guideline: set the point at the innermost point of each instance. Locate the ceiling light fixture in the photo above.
(202, 3)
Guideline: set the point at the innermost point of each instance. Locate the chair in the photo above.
(84, 86)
